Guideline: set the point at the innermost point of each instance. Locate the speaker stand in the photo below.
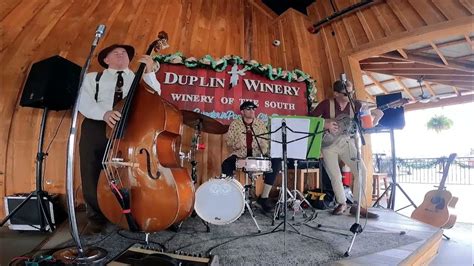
(42, 196)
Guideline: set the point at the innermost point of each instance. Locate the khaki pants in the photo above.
(343, 149)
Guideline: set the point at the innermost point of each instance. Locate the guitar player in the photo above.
(343, 148)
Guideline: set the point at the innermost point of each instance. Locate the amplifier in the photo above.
(28, 217)
(138, 254)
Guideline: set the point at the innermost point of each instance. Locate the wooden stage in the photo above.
(420, 252)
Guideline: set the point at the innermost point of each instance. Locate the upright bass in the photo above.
(142, 186)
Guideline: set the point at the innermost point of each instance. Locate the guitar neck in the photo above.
(448, 163)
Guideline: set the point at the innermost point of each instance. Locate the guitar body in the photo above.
(452, 217)
(436, 206)
(434, 209)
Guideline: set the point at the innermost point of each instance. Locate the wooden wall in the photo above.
(32, 30)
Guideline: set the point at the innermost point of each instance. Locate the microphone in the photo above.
(99, 32)
(344, 78)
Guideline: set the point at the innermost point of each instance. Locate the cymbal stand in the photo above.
(248, 186)
(296, 206)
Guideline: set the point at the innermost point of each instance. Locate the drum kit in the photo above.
(222, 200)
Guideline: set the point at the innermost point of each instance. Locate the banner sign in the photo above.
(218, 94)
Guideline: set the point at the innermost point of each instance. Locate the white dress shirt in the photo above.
(93, 109)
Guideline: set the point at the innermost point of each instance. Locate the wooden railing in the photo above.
(428, 170)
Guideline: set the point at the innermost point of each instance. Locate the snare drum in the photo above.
(220, 201)
(254, 164)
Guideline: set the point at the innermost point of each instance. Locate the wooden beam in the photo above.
(430, 89)
(437, 52)
(397, 66)
(381, 60)
(402, 53)
(455, 89)
(376, 82)
(405, 89)
(405, 38)
(469, 41)
(415, 71)
(442, 102)
(440, 45)
(464, 57)
(431, 61)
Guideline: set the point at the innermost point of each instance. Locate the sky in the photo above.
(416, 141)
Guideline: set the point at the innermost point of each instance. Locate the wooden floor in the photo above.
(421, 252)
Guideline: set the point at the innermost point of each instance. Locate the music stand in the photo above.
(42, 197)
(282, 151)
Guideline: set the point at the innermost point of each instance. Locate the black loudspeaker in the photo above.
(51, 83)
(393, 118)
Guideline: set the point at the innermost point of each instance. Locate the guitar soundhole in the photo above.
(438, 202)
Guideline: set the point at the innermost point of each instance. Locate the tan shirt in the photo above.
(236, 140)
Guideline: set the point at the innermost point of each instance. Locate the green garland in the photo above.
(220, 64)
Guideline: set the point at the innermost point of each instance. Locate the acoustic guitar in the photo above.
(346, 124)
(438, 204)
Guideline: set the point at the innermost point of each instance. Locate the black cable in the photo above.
(49, 145)
(119, 232)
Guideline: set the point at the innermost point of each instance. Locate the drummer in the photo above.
(242, 144)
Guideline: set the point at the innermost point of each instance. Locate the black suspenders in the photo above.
(97, 78)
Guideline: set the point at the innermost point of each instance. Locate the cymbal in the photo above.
(209, 125)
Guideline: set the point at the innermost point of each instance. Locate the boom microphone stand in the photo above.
(78, 255)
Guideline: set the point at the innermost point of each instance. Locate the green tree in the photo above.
(439, 123)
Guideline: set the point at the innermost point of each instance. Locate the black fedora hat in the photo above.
(103, 54)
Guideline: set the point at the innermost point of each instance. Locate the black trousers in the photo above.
(91, 150)
(228, 168)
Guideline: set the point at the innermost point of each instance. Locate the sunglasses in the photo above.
(347, 94)
(250, 108)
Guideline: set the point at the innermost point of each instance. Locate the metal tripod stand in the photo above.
(42, 197)
(248, 186)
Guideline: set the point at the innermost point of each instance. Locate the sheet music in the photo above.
(295, 150)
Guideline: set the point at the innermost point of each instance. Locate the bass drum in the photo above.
(220, 201)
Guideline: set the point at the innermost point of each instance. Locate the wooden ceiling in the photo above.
(444, 68)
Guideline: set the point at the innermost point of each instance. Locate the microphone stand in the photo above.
(356, 228)
(78, 255)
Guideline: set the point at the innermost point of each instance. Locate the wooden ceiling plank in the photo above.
(440, 45)
(406, 38)
(376, 82)
(419, 72)
(365, 26)
(468, 4)
(405, 89)
(382, 21)
(431, 61)
(464, 57)
(440, 103)
(399, 14)
(438, 52)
